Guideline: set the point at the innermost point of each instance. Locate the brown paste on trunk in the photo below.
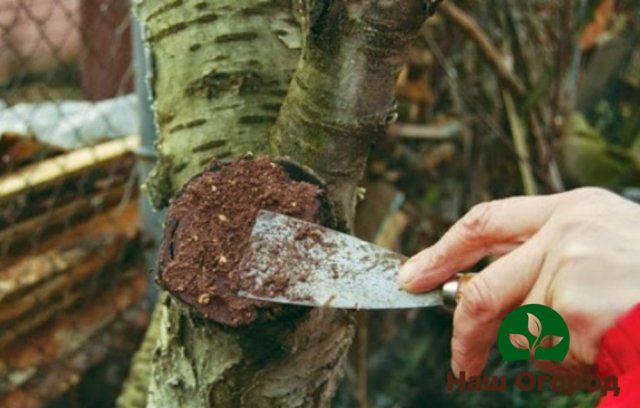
(207, 232)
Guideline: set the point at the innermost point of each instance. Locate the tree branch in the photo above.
(485, 45)
(342, 94)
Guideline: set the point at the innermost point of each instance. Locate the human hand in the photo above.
(577, 252)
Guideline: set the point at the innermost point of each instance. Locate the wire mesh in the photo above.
(72, 281)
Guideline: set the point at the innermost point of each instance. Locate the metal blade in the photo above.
(297, 262)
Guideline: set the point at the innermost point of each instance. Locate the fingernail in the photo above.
(455, 369)
(409, 271)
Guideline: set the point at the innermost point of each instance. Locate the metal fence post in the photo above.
(151, 218)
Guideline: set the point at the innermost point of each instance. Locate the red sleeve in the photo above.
(619, 355)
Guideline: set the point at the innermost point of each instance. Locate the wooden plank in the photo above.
(101, 254)
(32, 202)
(27, 358)
(35, 288)
(47, 171)
(40, 226)
(121, 219)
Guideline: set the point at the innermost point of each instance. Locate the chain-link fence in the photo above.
(72, 281)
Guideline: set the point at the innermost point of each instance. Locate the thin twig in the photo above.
(520, 144)
(576, 57)
(468, 24)
(445, 131)
(545, 152)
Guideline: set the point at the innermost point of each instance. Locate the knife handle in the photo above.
(453, 289)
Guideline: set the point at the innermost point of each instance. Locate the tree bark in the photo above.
(221, 71)
(342, 94)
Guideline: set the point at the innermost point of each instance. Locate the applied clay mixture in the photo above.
(207, 232)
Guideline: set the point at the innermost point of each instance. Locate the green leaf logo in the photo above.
(535, 327)
(523, 336)
(519, 341)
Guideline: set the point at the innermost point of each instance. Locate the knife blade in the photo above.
(297, 262)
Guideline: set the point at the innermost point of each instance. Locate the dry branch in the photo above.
(446, 131)
(486, 46)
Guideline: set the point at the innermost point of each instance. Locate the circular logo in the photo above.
(533, 332)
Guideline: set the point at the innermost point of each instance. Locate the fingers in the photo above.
(489, 228)
(490, 295)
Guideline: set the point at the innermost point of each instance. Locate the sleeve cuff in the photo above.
(619, 350)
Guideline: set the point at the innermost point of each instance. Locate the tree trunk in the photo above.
(221, 71)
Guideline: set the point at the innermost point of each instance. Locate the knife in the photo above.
(297, 262)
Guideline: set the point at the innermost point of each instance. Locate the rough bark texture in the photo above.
(342, 94)
(221, 70)
(135, 389)
(217, 70)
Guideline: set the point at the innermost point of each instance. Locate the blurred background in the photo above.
(497, 98)
(73, 286)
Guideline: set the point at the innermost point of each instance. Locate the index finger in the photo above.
(488, 228)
